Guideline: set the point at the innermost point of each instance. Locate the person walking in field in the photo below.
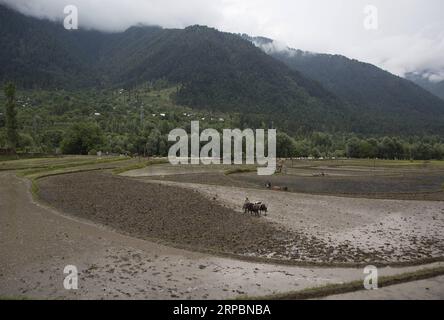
(246, 205)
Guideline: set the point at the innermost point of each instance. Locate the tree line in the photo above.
(326, 145)
(58, 122)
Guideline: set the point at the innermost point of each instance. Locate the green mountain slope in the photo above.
(383, 100)
(213, 70)
(219, 71)
(39, 53)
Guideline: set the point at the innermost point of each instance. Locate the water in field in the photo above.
(168, 169)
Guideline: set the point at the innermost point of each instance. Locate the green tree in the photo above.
(12, 137)
(391, 148)
(353, 148)
(51, 139)
(321, 139)
(302, 148)
(365, 150)
(152, 143)
(372, 145)
(422, 151)
(81, 138)
(285, 145)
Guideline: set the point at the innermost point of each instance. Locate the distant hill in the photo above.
(381, 98)
(213, 70)
(437, 88)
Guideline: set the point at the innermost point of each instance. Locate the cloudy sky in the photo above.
(409, 37)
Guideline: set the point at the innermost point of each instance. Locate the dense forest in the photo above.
(138, 121)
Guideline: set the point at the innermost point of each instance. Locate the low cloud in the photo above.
(403, 54)
(410, 36)
(117, 15)
(272, 47)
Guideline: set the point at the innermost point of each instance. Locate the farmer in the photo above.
(246, 205)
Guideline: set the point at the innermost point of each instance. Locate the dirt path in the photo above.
(37, 243)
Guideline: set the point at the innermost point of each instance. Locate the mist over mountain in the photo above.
(375, 93)
(219, 71)
(212, 70)
(435, 87)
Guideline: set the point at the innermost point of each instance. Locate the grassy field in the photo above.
(9, 163)
(139, 165)
(54, 162)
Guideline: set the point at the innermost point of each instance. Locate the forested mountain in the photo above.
(216, 70)
(219, 72)
(213, 70)
(40, 53)
(381, 98)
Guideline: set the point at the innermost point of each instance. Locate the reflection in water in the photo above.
(168, 169)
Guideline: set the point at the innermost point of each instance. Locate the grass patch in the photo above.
(54, 163)
(25, 156)
(34, 188)
(332, 289)
(34, 171)
(140, 165)
(240, 170)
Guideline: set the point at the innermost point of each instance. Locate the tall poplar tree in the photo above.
(11, 118)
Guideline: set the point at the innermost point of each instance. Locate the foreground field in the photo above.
(139, 236)
(37, 243)
(299, 228)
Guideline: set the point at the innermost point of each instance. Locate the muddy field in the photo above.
(406, 186)
(127, 234)
(176, 215)
(356, 230)
(38, 242)
(204, 215)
